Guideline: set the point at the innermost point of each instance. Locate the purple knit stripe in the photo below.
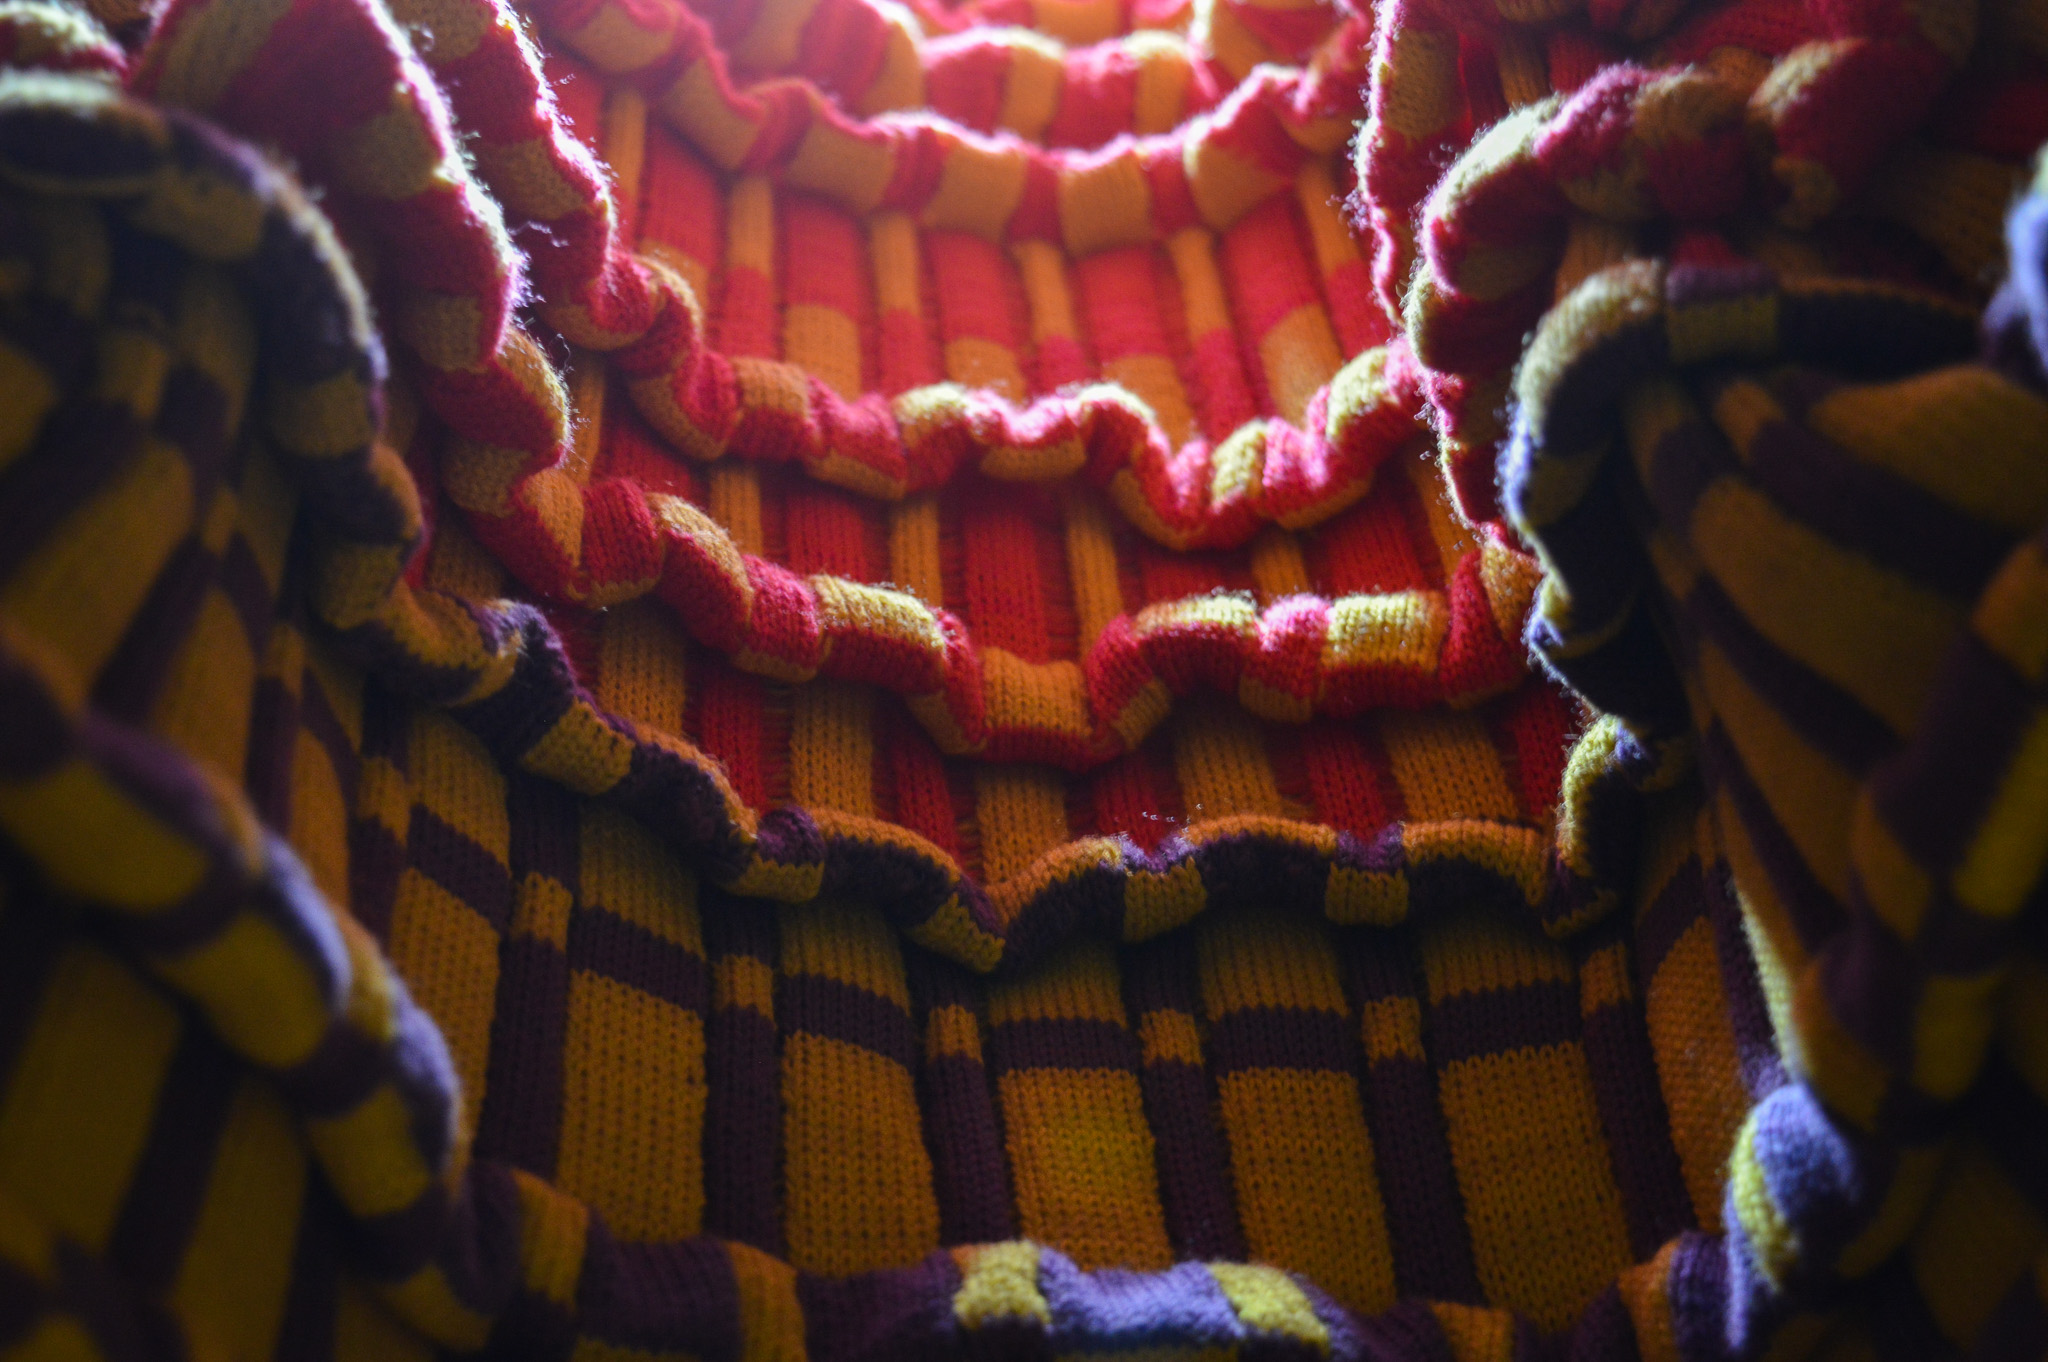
(1283, 1038)
(661, 1297)
(1497, 1020)
(127, 686)
(962, 1126)
(1195, 1187)
(1859, 505)
(1834, 721)
(1410, 1332)
(822, 1006)
(1630, 1099)
(1813, 912)
(1742, 990)
(900, 1316)
(466, 870)
(1934, 795)
(1425, 1209)
(169, 1182)
(1696, 1285)
(1688, 286)
(1061, 1043)
(1604, 1332)
(1112, 1308)
(743, 1105)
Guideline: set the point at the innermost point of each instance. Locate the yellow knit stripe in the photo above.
(1526, 1140)
(1079, 1147)
(1300, 1153)
(237, 1267)
(832, 748)
(71, 1161)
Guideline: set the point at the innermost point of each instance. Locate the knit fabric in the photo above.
(881, 741)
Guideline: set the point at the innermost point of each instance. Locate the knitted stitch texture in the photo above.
(880, 867)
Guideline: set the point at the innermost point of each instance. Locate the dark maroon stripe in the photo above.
(903, 1315)
(605, 943)
(2013, 1121)
(464, 869)
(1830, 718)
(661, 1297)
(1685, 461)
(273, 747)
(1063, 1043)
(129, 683)
(21, 1303)
(83, 445)
(376, 856)
(1668, 916)
(192, 414)
(324, 725)
(1195, 1186)
(170, 1179)
(743, 1110)
(242, 581)
(1418, 1182)
(306, 1331)
(1604, 1331)
(1872, 334)
(965, 1139)
(521, 1118)
(1813, 911)
(821, 1006)
(344, 1068)
(1630, 1099)
(1283, 1038)
(2018, 1326)
(1496, 1020)
(1862, 507)
(1902, 1328)
(33, 934)
(476, 1247)
(962, 1126)
(1934, 794)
